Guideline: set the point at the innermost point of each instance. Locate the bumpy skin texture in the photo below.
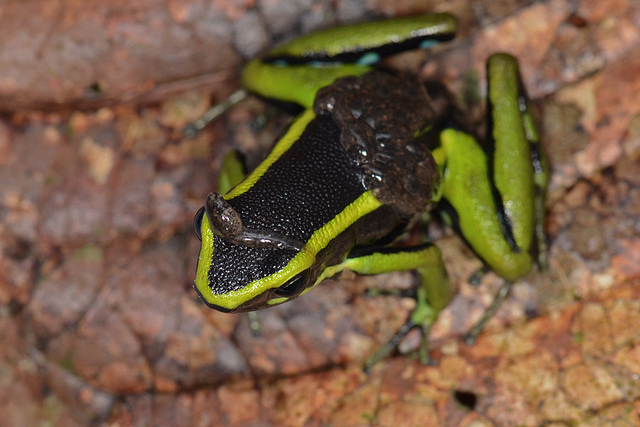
(378, 116)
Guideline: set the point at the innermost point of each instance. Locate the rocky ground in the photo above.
(99, 324)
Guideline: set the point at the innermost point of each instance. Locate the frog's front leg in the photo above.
(432, 294)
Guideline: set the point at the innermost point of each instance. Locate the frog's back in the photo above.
(307, 186)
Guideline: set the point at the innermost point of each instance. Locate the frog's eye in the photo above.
(197, 223)
(294, 286)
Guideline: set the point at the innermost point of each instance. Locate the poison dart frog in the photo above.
(369, 154)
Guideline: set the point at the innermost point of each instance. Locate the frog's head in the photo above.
(242, 269)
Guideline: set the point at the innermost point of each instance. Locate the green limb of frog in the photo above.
(295, 71)
(296, 83)
(232, 172)
(520, 170)
(358, 42)
(475, 212)
(493, 193)
(433, 293)
(502, 217)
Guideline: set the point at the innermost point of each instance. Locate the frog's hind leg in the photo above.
(496, 193)
(519, 171)
(432, 295)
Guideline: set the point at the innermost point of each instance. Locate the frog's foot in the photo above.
(476, 277)
(432, 294)
(389, 347)
(471, 336)
(423, 316)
